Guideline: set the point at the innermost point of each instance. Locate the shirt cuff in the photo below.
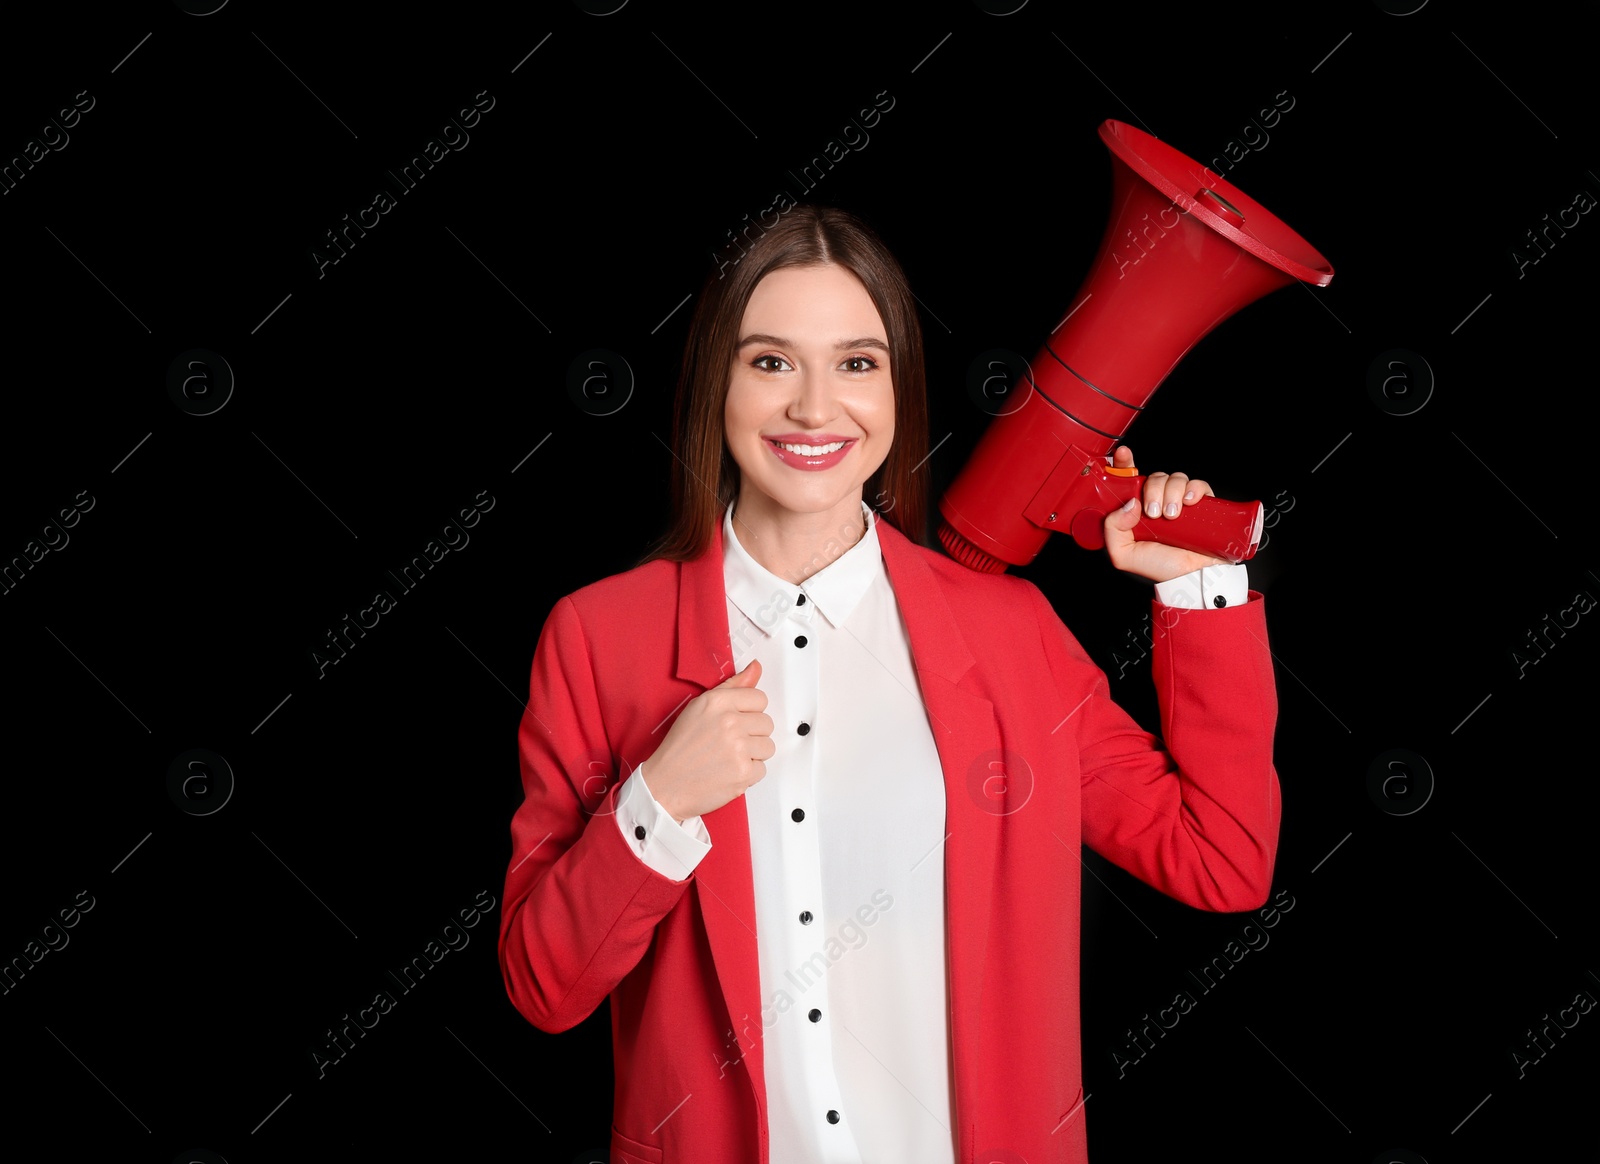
(671, 849)
(1207, 587)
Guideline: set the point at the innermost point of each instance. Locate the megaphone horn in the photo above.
(1183, 250)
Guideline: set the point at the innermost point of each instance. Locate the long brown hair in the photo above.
(805, 236)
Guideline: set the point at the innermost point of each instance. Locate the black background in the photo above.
(1410, 558)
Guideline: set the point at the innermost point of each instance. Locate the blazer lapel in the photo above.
(724, 885)
(967, 736)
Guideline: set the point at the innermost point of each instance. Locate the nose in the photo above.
(814, 402)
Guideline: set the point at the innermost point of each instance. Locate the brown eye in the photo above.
(860, 364)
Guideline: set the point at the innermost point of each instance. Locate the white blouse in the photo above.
(846, 832)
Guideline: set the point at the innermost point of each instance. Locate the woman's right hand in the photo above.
(715, 749)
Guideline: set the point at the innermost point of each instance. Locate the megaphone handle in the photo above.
(1212, 525)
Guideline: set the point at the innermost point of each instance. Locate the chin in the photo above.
(809, 503)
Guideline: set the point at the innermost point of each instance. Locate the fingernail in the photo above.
(1189, 496)
(1153, 509)
(1172, 509)
(1129, 507)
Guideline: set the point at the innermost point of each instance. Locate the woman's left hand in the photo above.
(1165, 495)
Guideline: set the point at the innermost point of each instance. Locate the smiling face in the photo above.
(811, 371)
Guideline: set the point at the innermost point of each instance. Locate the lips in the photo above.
(813, 461)
(807, 438)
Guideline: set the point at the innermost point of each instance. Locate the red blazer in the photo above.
(1003, 680)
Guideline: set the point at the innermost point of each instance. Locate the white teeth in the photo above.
(812, 450)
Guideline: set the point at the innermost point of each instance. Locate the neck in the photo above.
(794, 546)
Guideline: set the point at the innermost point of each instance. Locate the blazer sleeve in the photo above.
(580, 907)
(1195, 816)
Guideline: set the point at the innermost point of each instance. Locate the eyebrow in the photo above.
(780, 342)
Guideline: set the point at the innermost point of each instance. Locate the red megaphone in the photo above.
(1184, 249)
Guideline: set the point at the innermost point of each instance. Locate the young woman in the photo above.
(804, 796)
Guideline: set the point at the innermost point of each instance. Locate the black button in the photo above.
(638, 831)
(815, 1016)
(805, 917)
(801, 601)
(833, 1116)
(800, 640)
(1219, 600)
(798, 814)
(803, 729)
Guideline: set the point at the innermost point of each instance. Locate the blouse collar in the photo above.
(834, 589)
